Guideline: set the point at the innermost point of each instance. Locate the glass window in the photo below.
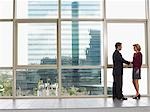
(82, 43)
(37, 43)
(6, 9)
(37, 8)
(6, 82)
(128, 34)
(82, 8)
(128, 88)
(125, 9)
(78, 82)
(149, 6)
(6, 44)
(36, 82)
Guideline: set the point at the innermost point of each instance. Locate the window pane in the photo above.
(77, 82)
(6, 44)
(6, 9)
(37, 43)
(128, 34)
(125, 8)
(37, 8)
(6, 82)
(149, 6)
(82, 9)
(128, 88)
(41, 82)
(82, 43)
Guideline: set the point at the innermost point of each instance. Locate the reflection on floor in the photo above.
(74, 105)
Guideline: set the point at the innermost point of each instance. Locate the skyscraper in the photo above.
(75, 34)
(42, 37)
(42, 42)
(93, 52)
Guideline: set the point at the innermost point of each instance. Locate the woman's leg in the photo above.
(133, 83)
(136, 86)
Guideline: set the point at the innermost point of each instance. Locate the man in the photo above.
(118, 72)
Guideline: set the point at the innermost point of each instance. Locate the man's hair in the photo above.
(117, 44)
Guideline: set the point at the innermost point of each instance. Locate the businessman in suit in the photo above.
(118, 72)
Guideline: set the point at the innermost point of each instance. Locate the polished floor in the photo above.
(74, 103)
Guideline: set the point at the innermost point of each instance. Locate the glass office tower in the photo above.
(48, 46)
(42, 50)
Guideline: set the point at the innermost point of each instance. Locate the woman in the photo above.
(137, 63)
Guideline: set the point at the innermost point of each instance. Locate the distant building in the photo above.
(40, 50)
(75, 34)
(93, 52)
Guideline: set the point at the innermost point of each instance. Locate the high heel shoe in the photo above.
(137, 97)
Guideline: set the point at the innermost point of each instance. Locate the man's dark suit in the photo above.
(118, 74)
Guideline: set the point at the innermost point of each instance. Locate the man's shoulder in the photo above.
(116, 52)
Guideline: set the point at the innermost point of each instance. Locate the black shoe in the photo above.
(137, 97)
(123, 98)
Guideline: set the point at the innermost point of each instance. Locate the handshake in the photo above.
(129, 65)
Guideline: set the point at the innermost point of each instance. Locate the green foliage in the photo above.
(72, 91)
(5, 84)
(7, 87)
(35, 91)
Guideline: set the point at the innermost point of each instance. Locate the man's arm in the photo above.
(119, 58)
(125, 61)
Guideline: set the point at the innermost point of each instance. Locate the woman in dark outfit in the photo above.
(137, 63)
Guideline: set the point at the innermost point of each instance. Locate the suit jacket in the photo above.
(118, 63)
(137, 60)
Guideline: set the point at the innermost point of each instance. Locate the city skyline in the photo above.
(28, 54)
(41, 41)
(39, 45)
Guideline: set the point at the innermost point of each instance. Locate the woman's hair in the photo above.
(137, 46)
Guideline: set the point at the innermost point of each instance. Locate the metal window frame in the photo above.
(147, 8)
(135, 21)
(58, 66)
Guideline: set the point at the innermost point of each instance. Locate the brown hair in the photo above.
(137, 46)
(118, 44)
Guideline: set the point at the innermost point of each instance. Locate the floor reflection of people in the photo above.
(117, 103)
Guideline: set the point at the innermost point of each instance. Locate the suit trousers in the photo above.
(117, 86)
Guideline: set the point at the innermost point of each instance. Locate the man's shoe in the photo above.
(123, 98)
